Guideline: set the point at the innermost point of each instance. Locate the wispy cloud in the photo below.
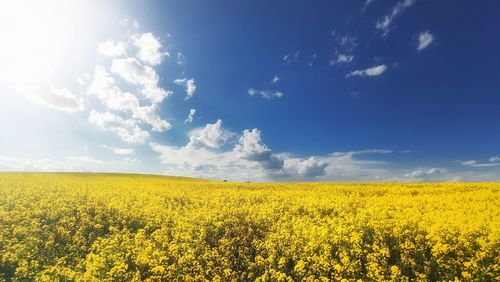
(45, 93)
(384, 23)
(312, 60)
(367, 3)
(373, 71)
(421, 173)
(118, 151)
(181, 60)
(494, 159)
(474, 163)
(190, 117)
(85, 159)
(341, 58)
(266, 94)
(288, 58)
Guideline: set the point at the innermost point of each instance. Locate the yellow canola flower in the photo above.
(112, 227)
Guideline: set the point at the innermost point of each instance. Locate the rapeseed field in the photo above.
(112, 227)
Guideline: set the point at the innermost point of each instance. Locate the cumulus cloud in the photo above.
(188, 84)
(190, 117)
(133, 71)
(312, 167)
(45, 93)
(118, 151)
(384, 23)
(127, 130)
(266, 94)
(103, 86)
(251, 148)
(424, 40)
(149, 49)
(150, 115)
(207, 155)
(126, 113)
(341, 58)
(211, 136)
(112, 49)
(373, 71)
(204, 155)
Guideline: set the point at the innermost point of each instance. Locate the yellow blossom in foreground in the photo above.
(110, 227)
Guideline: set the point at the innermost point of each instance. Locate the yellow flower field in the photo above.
(110, 227)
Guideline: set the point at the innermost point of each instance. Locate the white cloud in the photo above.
(104, 87)
(313, 59)
(424, 40)
(348, 42)
(312, 167)
(373, 71)
(123, 114)
(342, 58)
(127, 130)
(288, 58)
(149, 49)
(212, 136)
(473, 163)
(469, 163)
(112, 49)
(150, 115)
(251, 148)
(181, 60)
(275, 79)
(494, 159)
(118, 151)
(367, 3)
(45, 93)
(19, 164)
(133, 71)
(126, 22)
(85, 159)
(421, 173)
(190, 117)
(266, 94)
(188, 84)
(385, 23)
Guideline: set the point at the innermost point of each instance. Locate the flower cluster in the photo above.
(98, 227)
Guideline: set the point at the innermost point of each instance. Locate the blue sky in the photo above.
(403, 90)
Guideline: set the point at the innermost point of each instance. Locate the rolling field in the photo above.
(111, 227)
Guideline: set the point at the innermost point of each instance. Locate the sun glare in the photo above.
(32, 35)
